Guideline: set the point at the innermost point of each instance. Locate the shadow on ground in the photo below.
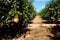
(9, 32)
(54, 30)
(51, 22)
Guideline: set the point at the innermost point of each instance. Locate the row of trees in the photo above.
(52, 9)
(20, 9)
(23, 9)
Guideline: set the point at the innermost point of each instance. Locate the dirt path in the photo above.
(39, 30)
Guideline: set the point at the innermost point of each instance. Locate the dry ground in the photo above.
(39, 30)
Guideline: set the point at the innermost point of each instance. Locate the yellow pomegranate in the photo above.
(16, 20)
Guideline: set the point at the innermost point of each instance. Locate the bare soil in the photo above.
(39, 30)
